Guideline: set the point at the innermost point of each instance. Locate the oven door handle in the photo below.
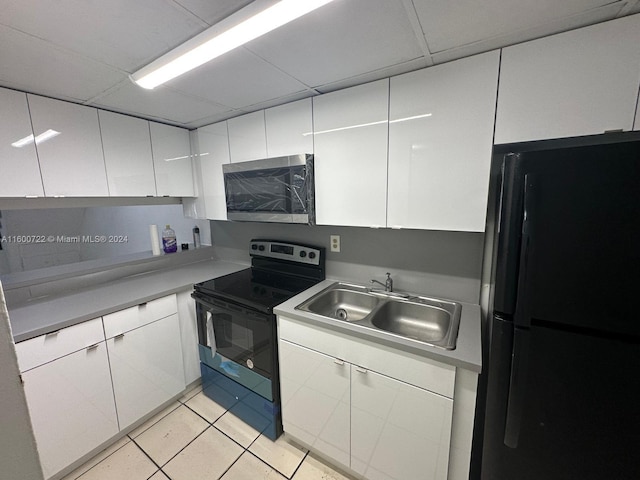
(211, 337)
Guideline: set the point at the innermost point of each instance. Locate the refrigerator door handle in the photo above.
(522, 314)
(517, 386)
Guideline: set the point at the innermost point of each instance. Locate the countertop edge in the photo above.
(76, 307)
(467, 354)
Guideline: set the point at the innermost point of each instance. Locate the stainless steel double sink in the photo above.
(427, 320)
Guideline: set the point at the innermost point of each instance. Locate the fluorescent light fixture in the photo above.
(212, 43)
(43, 137)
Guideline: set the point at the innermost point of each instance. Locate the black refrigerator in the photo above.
(563, 384)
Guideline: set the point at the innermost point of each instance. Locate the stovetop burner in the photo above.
(279, 271)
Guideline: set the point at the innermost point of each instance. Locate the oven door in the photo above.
(239, 334)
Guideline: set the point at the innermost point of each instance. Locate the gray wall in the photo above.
(439, 263)
(18, 454)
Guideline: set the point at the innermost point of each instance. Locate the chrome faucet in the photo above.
(388, 284)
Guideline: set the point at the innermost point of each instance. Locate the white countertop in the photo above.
(56, 312)
(467, 354)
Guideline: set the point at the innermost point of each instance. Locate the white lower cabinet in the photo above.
(375, 425)
(71, 406)
(398, 431)
(74, 379)
(315, 390)
(146, 368)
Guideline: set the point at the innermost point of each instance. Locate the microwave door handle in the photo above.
(211, 338)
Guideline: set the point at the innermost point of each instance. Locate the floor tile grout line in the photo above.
(146, 454)
(299, 465)
(271, 466)
(232, 464)
(182, 449)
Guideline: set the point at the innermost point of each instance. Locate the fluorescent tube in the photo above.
(211, 44)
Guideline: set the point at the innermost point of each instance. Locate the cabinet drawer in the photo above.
(46, 348)
(410, 368)
(134, 317)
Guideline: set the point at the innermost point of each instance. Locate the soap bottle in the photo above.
(196, 237)
(169, 243)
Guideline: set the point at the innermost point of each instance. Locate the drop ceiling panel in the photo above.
(122, 33)
(27, 63)
(341, 40)
(161, 103)
(238, 79)
(576, 21)
(448, 24)
(212, 11)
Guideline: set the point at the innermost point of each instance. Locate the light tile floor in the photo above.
(196, 439)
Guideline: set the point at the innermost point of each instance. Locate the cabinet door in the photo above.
(289, 129)
(350, 147)
(18, 160)
(315, 400)
(440, 141)
(172, 160)
(71, 159)
(213, 141)
(146, 367)
(247, 137)
(398, 431)
(580, 82)
(71, 406)
(127, 155)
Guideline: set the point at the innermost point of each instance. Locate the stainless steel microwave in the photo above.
(277, 189)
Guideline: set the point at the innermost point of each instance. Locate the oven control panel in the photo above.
(286, 251)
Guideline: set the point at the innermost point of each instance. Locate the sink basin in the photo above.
(425, 323)
(343, 304)
(391, 315)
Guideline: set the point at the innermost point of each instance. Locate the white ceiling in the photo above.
(84, 50)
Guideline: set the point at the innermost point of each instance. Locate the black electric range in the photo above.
(237, 329)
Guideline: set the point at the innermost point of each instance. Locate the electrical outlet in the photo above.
(335, 243)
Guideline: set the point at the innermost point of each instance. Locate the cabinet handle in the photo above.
(92, 347)
(337, 361)
(361, 370)
(51, 334)
(118, 337)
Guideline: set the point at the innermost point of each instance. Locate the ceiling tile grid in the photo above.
(84, 50)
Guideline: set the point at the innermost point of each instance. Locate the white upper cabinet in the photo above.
(247, 137)
(440, 141)
(580, 82)
(18, 160)
(69, 149)
(350, 147)
(172, 160)
(127, 155)
(289, 129)
(213, 141)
